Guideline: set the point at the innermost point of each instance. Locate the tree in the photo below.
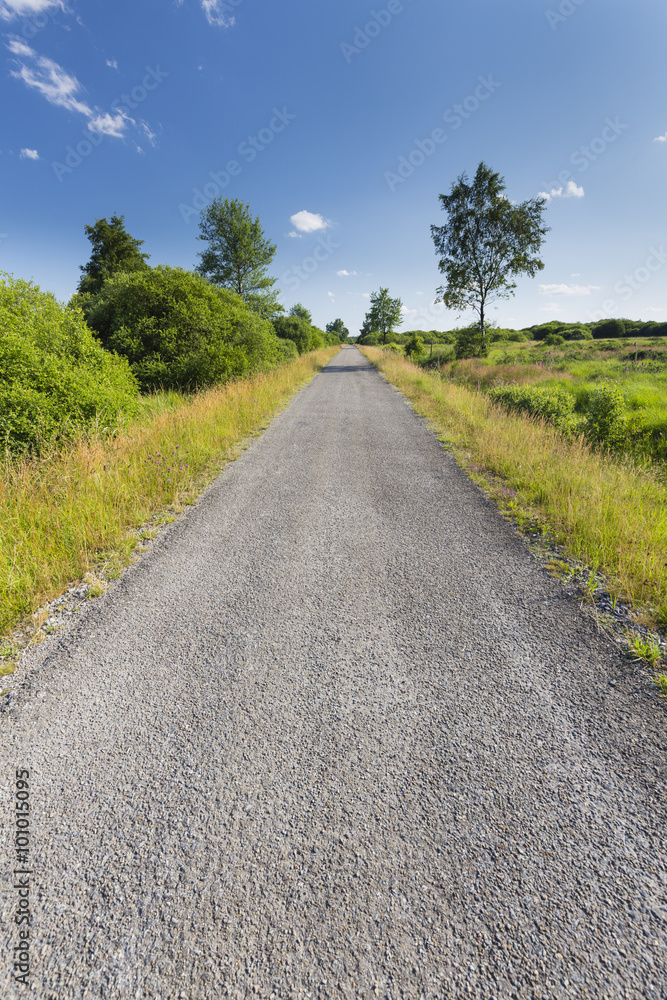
(301, 312)
(114, 250)
(238, 253)
(338, 328)
(297, 329)
(486, 243)
(414, 347)
(384, 314)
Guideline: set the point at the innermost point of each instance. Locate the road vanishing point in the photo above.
(338, 734)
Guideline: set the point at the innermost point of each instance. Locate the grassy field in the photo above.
(608, 513)
(67, 511)
(636, 368)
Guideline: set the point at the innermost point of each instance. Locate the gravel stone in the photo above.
(338, 734)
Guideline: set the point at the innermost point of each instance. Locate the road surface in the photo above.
(339, 735)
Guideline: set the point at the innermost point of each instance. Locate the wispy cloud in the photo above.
(216, 12)
(569, 289)
(114, 125)
(29, 154)
(10, 9)
(308, 222)
(553, 307)
(661, 138)
(47, 78)
(571, 190)
(112, 64)
(346, 274)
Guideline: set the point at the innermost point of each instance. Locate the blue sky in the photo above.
(340, 123)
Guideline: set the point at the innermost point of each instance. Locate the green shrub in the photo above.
(607, 421)
(469, 343)
(553, 340)
(414, 347)
(517, 337)
(577, 333)
(54, 376)
(296, 329)
(178, 330)
(551, 403)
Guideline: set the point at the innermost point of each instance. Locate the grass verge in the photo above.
(608, 514)
(65, 512)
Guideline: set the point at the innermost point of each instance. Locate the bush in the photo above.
(554, 340)
(54, 376)
(551, 403)
(576, 333)
(517, 337)
(414, 347)
(607, 421)
(296, 329)
(469, 343)
(179, 331)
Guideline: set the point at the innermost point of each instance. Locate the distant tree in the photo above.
(114, 250)
(486, 242)
(339, 329)
(265, 304)
(384, 314)
(609, 328)
(238, 253)
(301, 312)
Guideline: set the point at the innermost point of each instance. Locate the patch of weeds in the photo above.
(560, 569)
(644, 648)
(661, 684)
(96, 586)
(8, 668)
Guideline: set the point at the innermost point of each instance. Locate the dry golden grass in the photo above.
(608, 514)
(62, 513)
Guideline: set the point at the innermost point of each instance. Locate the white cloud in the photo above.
(148, 132)
(295, 236)
(553, 307)
(346, 274)
(308, 222)
(215, 13)
(19, 48)
(568, 289)
(569, 191)
(49, 79)
(661, 138)
(29, 154)
(331, 296)
(10, 9)
(112, 64)
(107, 124)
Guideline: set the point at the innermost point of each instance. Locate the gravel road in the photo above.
(339, 735)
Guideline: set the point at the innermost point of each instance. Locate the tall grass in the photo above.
(60, 511)
(608, 514)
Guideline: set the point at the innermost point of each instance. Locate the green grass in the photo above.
(70, 510)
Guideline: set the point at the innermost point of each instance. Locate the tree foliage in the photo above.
(238, 253)
(114, 250)
(383, 315)
(338, 328)
(55, 378)
(301, 312)
(179, 331)
(486, 242)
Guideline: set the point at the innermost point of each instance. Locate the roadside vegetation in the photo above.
(72, 506)
(130, 398)
(605, 509)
